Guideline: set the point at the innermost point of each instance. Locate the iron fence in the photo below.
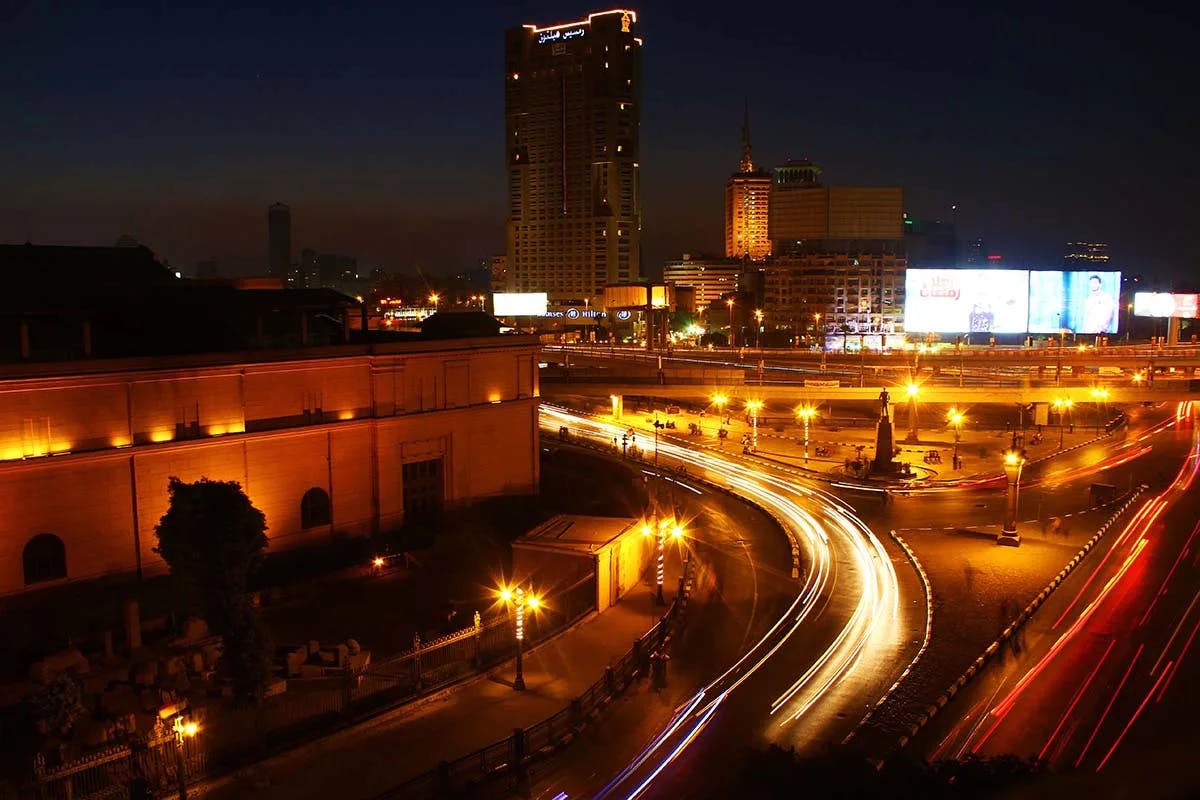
(230, 737)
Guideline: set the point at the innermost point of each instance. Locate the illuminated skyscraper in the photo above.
(1086, 255)
(279, 240)
(572, 95)
(747, 202)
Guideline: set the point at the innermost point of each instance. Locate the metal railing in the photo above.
(511, 756)
(230, 737)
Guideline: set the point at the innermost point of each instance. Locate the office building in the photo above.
(747, 204)
(1086, 255)
(279, 240)
(572, 97)
(711, 278)
(847, 290)
(802, 211)
(976, 255)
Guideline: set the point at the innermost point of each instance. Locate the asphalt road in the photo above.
(1100, 681)
(848, 630)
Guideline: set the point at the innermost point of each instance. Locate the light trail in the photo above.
(820, 525)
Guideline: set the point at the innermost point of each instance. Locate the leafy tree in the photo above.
(213, 538)
(59, 706)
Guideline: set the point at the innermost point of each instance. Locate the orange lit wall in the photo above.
(258, 423)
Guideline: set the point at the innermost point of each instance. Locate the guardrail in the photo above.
(511, 756)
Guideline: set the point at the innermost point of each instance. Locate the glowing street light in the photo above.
(1100, 397)
(184, 729)
(912, 390)
(659, 530)
(1062, 405)
(806, 413)
(956, 419)
(434, 297)
(758, 318)
(520, 600)
(1014, 460)
(754, 406)
(732, 340)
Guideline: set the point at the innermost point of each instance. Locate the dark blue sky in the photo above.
(381, 123)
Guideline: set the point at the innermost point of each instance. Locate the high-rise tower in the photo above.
(747, 205)
(572, 96)
(279, 240)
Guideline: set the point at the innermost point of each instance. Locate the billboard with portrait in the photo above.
(519, 304)
(966, 300)
(1076, 302)
(1165, 304)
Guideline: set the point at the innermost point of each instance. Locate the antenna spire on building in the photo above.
(747, 163)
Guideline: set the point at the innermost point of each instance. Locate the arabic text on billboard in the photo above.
(966, 300)
(1165, 304)
(1011, 301)
(519, 304)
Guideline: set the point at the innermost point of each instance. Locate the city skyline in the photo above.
(1037, 144)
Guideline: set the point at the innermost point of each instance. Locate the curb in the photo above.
(928, 589)
(1013, 627)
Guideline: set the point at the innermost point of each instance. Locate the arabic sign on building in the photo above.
(561, 35)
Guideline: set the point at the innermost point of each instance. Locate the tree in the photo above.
(212, 537)
(59, 706)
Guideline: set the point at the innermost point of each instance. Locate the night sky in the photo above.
(381, 123)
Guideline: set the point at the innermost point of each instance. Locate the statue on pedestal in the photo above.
(884, 400)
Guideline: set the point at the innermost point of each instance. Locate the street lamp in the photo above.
(658, 425)
(1100, 395)
(912, 389)
(434, 297)
(806, 413)
(732, 339)
(1014, 460)
(956, 419)
(817, 327)
(1062, 405)
(660, 529)
(184, 729)
(758, 318)
(754, 406)
(520, 600)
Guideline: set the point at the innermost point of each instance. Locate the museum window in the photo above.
(315, 508)
(45, 558)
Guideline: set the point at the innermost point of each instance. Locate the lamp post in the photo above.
(1100, 395)
(184, 729)
(657, 426)
(1062, 405)
(732, 338)
(659, 530)
(956, 418)
(1014, 460)
(913, 437)
(758, 318)
(434, 298)
(520, 600)
(806, 413)
(754, 406)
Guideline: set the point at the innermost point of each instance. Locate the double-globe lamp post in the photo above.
(1063, 406)
(520, 600)
(956, 418)
(1014, 460)
(659, 530)
(1100, 396)
(184, 729)
(806, 413)
(754, 406)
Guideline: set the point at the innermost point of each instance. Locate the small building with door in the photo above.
(567, 548)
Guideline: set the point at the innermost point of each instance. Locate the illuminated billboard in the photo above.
(1078, 302)
(518, 304)
(966, 300)
(1165, 304)
(1011, 301)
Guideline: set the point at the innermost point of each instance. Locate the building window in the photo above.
(423, 493)
(315, 508)
(45, 559)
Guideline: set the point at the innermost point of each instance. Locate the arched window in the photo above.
(314, 508)
(45, 558)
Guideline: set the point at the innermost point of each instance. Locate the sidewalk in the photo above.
(368, 759)
(979, 449)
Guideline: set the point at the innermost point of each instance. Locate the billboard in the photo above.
(1011, 301)
(1077, 302)
(966, 300)
(518, 304)
(1165, 304)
